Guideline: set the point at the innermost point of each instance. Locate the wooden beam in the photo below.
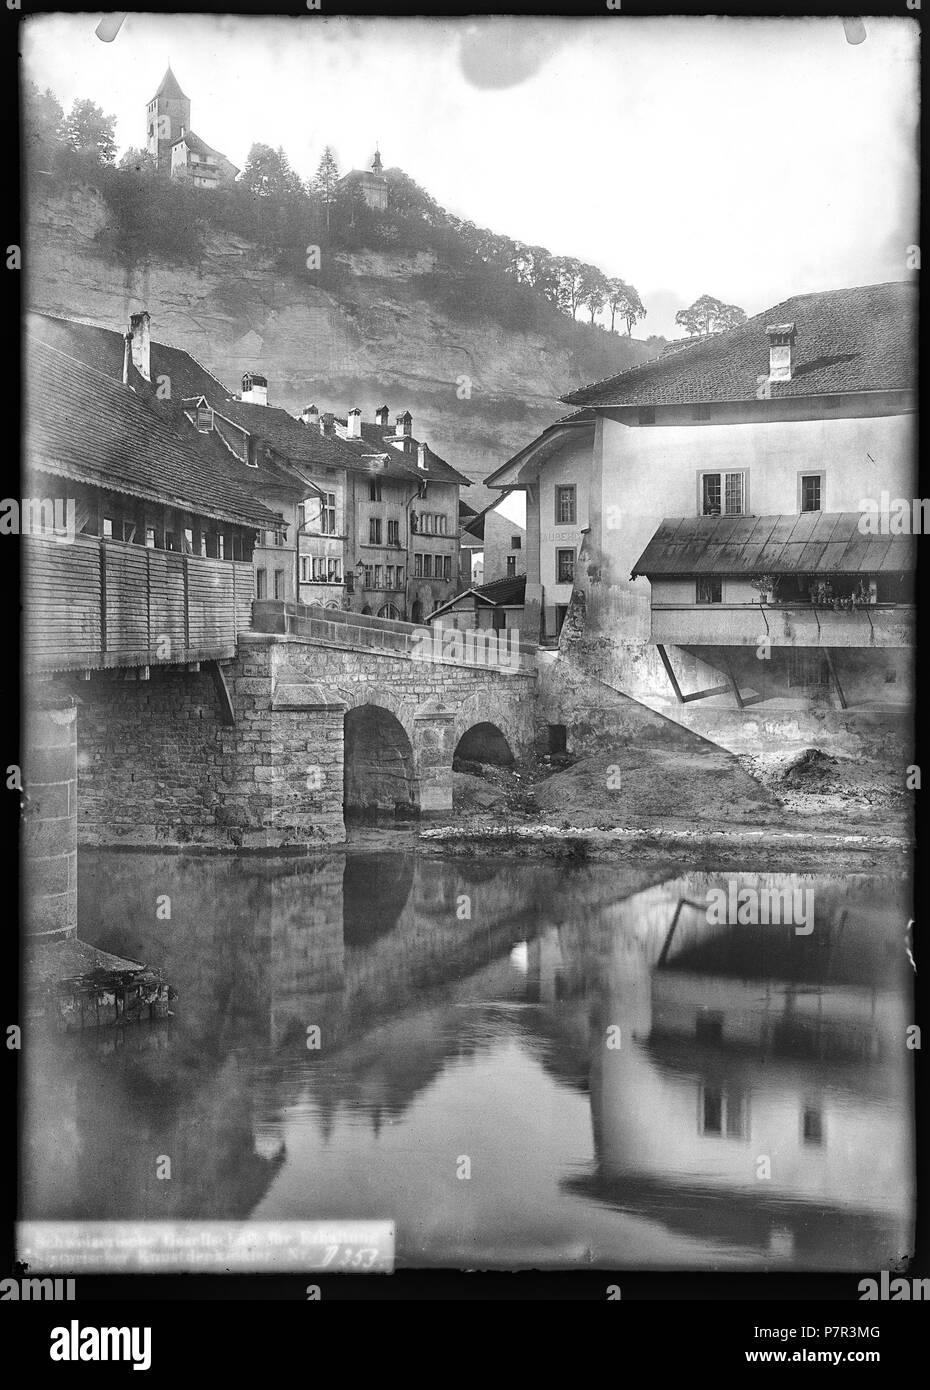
(731, 679)
(835, 677)
(224, 699)
(670, 673)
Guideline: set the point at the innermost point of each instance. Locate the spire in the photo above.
(376, 162)
(170, 87)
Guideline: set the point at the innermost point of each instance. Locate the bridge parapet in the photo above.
(501, 651)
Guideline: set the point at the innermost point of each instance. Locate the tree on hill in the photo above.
(623, 301)
(593, 290)
(709, 315)
(138, 162)
(88, 131)
(43, 119)
(268, 173)
(571, 274)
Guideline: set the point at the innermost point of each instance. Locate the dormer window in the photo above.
(203, 419)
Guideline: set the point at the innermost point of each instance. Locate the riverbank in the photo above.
(708, 802)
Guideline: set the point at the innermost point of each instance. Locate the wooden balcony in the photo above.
(786, 625)
(93, 603)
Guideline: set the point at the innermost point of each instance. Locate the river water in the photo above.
(519, 1063)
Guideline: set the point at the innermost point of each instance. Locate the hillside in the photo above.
(385, 325)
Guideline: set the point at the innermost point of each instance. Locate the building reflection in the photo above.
(736, 1044)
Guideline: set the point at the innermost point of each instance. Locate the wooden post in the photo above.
(835, 677)
(670, 673)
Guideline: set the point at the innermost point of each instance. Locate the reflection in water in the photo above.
(628, 1095)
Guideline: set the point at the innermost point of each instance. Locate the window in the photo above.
(301, 515)
(427, 566)
(150, 537)
(279, 583)
(565, 566)
(418, 566)
(280, 536)
(203, 543)
(374, 530)
(389, 577)
(400, 576)
(305, 569)
(367, 579)
(565, 508)
(374, 490)
(437, 566)
(511, 566)
(723, 494)
(447, 567)
(379, 576)
(812, 1125)
(261, 584)
(108, 527)
(443, 523)
(334, 571)
(516, 542)
(709, 591)
(222, 546)
(723, 1113)
(811, 491)
(394, 533)
(328, 514)
(188, 541)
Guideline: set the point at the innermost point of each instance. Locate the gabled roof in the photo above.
(437, 468)
(170, 87)
(809, 543)
(83, 425)
(859, 339)
(102, 348)
(198, 146)
(527, 461)
(298, 443)
(500, 593)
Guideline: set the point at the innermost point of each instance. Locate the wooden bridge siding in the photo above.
(95, 603)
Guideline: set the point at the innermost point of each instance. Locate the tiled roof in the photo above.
(540, 448)
(809, 543)
(102, 348)
(437, 468)
(298, 443)
(169, 87)
(861, 339)
(198, 146)
(504, 591)
(83, 425)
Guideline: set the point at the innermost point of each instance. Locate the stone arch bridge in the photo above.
(319, 715)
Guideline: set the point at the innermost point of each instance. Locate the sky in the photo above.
(747, 159)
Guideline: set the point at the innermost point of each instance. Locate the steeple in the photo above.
(170, 87)
(376, 162)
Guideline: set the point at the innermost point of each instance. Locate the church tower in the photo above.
(167, 118)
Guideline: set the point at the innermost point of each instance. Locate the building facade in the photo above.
(174, 147)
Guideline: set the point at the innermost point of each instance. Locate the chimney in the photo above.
(421, 456)
(781, 351)
(327, 423)
(354, 424)
(310, 416)
(404, 424)
(141, 343)
(381, 417)
(254, 389)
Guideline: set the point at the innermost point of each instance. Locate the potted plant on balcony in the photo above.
(767, 585)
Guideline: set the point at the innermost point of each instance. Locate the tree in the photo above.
(137, 162)
(43, 119)
(544, 275)
(571, 278)
(709, 315)
(593, 291)
(325, 182)
(623, 302)
(89, 132)
(268, 174)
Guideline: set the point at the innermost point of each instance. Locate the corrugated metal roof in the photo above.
(809, 543)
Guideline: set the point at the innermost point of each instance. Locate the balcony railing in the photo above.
(92, 603)
(786, 625)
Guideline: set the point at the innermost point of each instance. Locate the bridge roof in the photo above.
(83, 425)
